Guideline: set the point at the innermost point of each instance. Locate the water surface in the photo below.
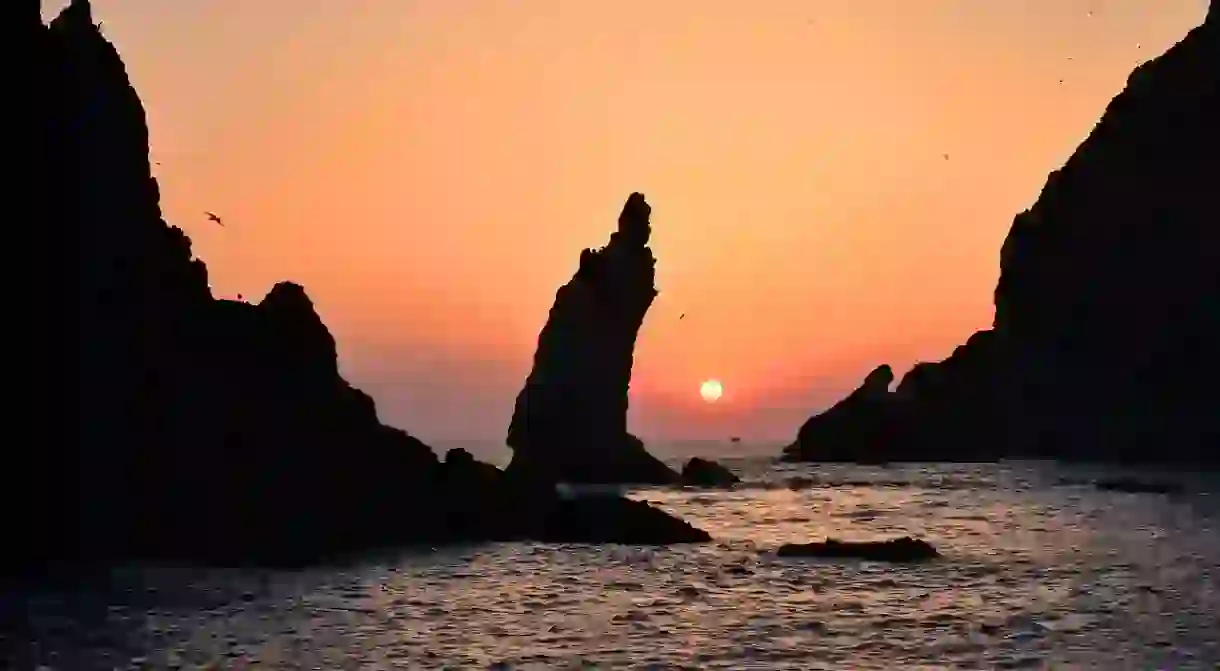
(1038, 572)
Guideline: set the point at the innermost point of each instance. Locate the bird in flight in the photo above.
(682, 316)
(212, 217)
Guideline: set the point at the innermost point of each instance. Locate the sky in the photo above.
(831, 180)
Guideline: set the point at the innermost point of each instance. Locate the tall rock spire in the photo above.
(570, 420)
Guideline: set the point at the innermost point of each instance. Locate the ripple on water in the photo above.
(1035, 574)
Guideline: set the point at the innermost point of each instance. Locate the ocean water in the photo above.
(1038, 572)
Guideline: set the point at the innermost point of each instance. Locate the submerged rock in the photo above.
(570, 419)
(894, 550)
(700, 472)
(1132, 486)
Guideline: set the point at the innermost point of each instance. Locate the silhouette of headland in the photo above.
(852, 427)
(177, 425)
(1106, 340)
(570, 420)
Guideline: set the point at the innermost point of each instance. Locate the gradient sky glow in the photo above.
(430, 171)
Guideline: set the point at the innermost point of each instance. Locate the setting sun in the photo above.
(881, 219)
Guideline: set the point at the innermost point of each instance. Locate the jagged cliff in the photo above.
(1106, 338)
(570, 419)
(1109, 292)
(182, 425)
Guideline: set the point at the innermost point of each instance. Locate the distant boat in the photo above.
(734, 439)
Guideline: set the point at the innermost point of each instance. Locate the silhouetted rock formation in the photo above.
(849, 429)
(212, 429)
(1106, 338)
(605, 519)
(570, 420)
(700, 472)
(1109, 293)
(895, 550)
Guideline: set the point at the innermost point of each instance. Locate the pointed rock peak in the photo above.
(633, 222)
(1213, 13)
(288, 296)
(881, 377)
(78, 14)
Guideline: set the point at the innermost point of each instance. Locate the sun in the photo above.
(711, 390)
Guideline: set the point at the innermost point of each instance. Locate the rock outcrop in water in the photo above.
(700, 472)
(1106, 338)
(570, 419)
(894, 550)
(179, 425)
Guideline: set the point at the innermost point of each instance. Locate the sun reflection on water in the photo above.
(1034, 574)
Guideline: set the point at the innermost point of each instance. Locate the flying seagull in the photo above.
(682, 316)
(212, 217)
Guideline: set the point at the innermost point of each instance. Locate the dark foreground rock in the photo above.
(605, 519)
(570, 420)
(699, 472)
(177, 425)
(1106, 340)
(895, 550)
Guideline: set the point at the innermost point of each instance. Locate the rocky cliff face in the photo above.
(179, 425)
(1109, 291)
(1106, 340)
(570, 419)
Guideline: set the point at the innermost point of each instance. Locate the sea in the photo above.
(1040, 570)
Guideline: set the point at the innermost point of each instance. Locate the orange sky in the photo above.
(430, 171)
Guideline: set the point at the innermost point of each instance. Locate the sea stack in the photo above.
(570, 420)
